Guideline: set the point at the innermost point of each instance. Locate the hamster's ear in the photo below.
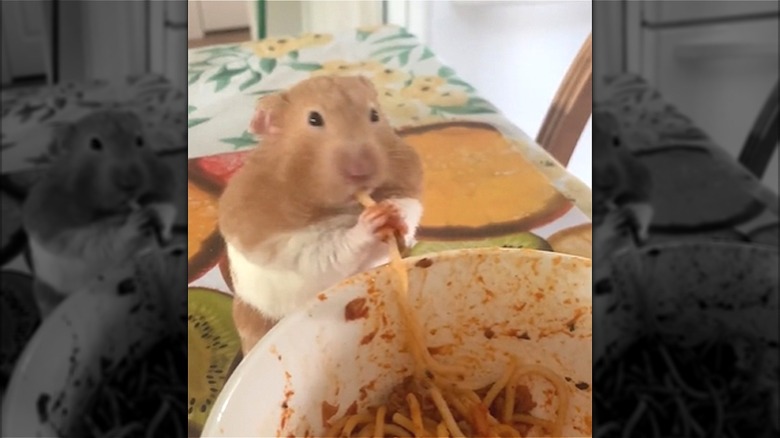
(267, 111)
(369, 85)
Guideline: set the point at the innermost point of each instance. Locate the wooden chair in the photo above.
(570, 109)
(763, 137)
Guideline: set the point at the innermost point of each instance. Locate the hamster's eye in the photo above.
(315, 119)
(374, 115)
(139, 141)
(615, 141)
(95, 144)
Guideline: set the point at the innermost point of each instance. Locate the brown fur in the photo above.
(78, 188)
(292, 180)
(245, 315)
(78, 211)
(295, 179)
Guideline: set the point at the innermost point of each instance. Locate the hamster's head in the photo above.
(328, 136)
(105, 156)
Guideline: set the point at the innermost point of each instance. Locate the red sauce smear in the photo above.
(368, 338)
(356, 309)
(424, 263)
(328, 411)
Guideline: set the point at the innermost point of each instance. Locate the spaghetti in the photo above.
(143, 397)
(435, 401)
(658, 388)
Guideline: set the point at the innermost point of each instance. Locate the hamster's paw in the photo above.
(382, 220)
(138, 231)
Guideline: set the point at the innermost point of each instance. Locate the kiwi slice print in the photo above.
(212, 347)
(19, 318)
(517, 240)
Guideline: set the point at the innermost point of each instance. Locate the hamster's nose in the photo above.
(358, 167)
(127, 179)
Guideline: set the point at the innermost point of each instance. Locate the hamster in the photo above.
(105, 199)
(622, 189)
(289, 217)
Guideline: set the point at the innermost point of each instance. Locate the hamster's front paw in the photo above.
(382, 220)
(138, 231)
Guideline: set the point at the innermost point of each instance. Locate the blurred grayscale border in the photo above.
(685, 175)
(93, 218)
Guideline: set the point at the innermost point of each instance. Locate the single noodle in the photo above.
(434, 400)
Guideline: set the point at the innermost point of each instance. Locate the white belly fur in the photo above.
(63, 273)
(277, 290)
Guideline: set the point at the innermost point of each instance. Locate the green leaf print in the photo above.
(403, 58)
(461, 110)
(199, 64)
(190, 109)
(460, 83)
(223, 77)
(392, 49)
(303, 66)
(246, 140)
(362, 35)
(262, 92)
(195, 122)
(293, 55)
(219, 50)
(402, 35)
(478, 101)
(194, 77)
(427, 54)
(268, 64)
(446, 72)
(256, 77)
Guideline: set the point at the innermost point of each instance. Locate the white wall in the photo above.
(515, 53)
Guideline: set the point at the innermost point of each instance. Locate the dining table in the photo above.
(699, 190)
(487, 183)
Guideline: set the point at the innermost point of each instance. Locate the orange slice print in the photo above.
(477, 185)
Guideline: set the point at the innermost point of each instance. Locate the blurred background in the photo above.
(49, 42)
(516, 53)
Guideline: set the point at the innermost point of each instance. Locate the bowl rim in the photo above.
(681, 244)
(212, 424)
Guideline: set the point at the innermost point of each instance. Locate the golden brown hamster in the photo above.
(101, 202)
(289, 216)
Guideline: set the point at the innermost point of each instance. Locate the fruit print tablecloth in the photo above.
(30, 116)
(718, 200)
(486, 182)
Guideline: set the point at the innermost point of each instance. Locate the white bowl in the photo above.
(696, 288)
(61, 366)
(316, 355)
